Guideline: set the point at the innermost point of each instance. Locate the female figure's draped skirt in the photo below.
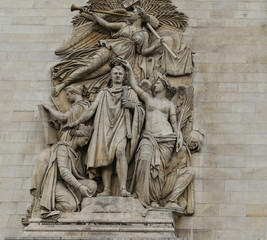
(152, 158)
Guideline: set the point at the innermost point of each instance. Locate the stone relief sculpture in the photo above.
(74, 95)
(59, 181)
(109, 139)
(126, 30)
(157, 142)
(178, 189)
(123, 95)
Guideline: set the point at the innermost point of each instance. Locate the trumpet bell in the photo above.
(75, 8)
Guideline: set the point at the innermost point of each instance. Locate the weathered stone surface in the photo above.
(107, 218)
(106, 205)
(214, 32)
(146, 123)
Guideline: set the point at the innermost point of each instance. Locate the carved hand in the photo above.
(90, 188)
(84, 191)
(87, 10)
(160, 43)
(70, 125)
(126, 64)
(179, 142)
(46, 106)
(126, 103)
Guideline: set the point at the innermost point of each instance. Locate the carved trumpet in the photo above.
(77, 8)
(158, 37)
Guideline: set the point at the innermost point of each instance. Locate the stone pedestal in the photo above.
(106, 218)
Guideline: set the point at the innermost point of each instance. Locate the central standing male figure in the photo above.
(109, 140)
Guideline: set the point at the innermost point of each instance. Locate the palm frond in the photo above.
(165, 12)
(187, 107)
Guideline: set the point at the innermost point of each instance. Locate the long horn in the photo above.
(75, 8)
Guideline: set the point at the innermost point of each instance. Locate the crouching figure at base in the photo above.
(59, 182)
(178, 190)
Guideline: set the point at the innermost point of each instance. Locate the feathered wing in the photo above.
(187, 106)
(186, 109)
(183, 120)
(81, 46)
(171, 27)
(105, 4)
(86, 32)
(165, 12)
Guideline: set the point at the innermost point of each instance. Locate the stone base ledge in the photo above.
(106, 218)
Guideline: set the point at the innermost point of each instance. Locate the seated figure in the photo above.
(59, 181)
(179, 176)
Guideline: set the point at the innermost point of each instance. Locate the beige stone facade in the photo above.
(229, 38)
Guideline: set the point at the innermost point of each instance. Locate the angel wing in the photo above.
(165, 12)
(184, 104)
(172, 24)
(86, 32)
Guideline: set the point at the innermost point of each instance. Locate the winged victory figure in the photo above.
(137, 31)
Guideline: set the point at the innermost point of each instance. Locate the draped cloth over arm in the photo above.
(110, 128)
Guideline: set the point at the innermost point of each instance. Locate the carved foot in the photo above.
(154, 205)
(53, 214)
(104, 194)
(124, 193)
(134, 195)
(174, 205)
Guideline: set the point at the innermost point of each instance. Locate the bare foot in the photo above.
(134, 195)
(124, 193)
(174, 206)
(154, 204)
(104, 194)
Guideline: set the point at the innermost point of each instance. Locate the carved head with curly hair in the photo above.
(162, 84)
(139, 13)
(82, 135)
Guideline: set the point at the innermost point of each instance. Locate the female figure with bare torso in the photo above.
(157, 142)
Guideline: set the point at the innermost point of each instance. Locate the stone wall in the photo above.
(30, 32)
(229, 38)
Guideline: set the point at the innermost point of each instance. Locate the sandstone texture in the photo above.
(229, 38)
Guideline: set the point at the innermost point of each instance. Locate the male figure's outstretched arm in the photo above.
(87, 114)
